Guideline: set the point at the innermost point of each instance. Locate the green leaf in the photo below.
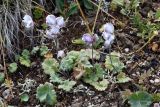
(68, 62)
(157, 15)
(38, 13)
(25, 62)
(43, 50)
(78, 42)
(12, 67)
(121, 77)
(25, 58)
(55, 78)
(98, 43)
(88, 4)
(140, 99)
(24, 97)
(2, 76)
(156, 97)
(118, 2)
(44, 26)
(95, 78)
(101, 85)
(60, 6)
(90, 54)
(50, 66)
(72, 9)
(67, 85)
(35, 50)
(46, 93)
(26, 54)
(113, 62)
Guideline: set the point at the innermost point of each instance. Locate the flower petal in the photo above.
(51, 20)
(87, 38)
(28, 22)
(108, 27)
(60, 21)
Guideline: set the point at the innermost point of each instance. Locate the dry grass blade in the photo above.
(11, 12)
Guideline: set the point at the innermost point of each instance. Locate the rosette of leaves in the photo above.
(95, 78)
(66, 85)
(46, 93)
(83, 64)
(68, 62)
(113, 62)
(140, 99)
(41, 49)
(12, 67)
(25, 58)
(122, 78)
(50, 66)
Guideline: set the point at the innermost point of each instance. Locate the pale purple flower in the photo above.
(28, 22)
(51, 20)
(108, 27)
(60, 21)
(55, 24)
(87, 38)
(53, 32)
(107, 44)
(106, 35)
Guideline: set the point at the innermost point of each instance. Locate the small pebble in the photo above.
(137, 73)
(133, 74)
(126, 50)
(156, 80)
(151, 81)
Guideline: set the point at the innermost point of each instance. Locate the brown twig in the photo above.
(84, 18)
(96, 16)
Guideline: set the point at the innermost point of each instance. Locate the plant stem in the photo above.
(84, 18)
(94, 24)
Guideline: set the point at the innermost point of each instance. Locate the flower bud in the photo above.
(87, 38)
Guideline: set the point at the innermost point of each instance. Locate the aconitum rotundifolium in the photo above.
(53, 32)
(108, 34)
(51, 20)
(55, 24)
(87, 38)
(28, 22)
(60, 22)
(108, 27)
